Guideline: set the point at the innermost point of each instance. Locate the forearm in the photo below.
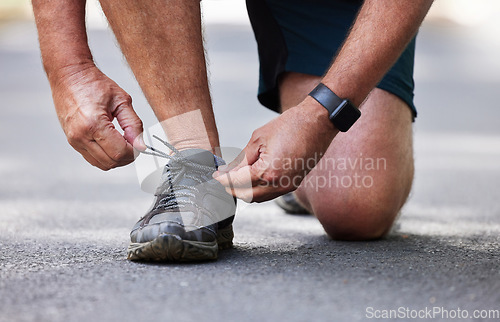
(62, 36)
(378, 37)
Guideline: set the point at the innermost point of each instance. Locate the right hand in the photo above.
(86, 103)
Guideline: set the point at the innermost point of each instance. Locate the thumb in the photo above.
(238, 162)
(247, 157)
(131, 125)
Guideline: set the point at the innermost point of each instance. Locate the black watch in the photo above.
(343, 114)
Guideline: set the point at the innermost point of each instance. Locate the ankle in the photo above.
(185, 144)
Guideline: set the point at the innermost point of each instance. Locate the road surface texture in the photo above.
(64, 225)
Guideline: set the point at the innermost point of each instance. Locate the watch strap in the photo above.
(341, 112)
(326, 97)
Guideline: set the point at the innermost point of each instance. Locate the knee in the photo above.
(358, 218)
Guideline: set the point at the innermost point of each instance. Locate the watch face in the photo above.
(344, 116)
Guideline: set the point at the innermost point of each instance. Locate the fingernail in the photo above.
(223, 168)
(139, 143)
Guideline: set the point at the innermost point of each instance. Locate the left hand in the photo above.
(279, 154)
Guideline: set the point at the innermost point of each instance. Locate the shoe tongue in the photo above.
(199, 156)
(154, 182)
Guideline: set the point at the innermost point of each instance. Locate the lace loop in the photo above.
(176, 157)
(174, 196)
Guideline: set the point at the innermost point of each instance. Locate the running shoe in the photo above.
(191, 216)
(289, 203)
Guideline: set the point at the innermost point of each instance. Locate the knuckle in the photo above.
(119, 155)
(88, 126)
(74, 137)
(255, 136)
(81, 121)
(84, 127)
(123, 98)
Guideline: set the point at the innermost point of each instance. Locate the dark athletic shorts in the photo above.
(304, 36)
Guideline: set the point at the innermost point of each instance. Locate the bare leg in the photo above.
(162, 43)
(353, 198)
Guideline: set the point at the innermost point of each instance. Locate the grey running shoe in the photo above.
(289, 203)
(191, 216)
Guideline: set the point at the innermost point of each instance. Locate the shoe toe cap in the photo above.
(192, 233)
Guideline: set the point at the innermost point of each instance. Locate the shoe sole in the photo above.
(171, 248)
(290, 208)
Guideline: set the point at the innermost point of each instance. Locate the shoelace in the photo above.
(176, 157)
(171, 192)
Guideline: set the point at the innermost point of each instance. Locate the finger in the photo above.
(244, 194)
(242, 178)
(266, 193)
(92, 153)
(258, 193)
(131, 125)
(96, 151)
(113, 144)
(90, 159)
(238, 162)
(248, 156)
(139, 144)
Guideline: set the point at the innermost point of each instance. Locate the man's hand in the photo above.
(279, 154)
(270, 164)
(86, 102)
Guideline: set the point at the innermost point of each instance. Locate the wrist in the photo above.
(318, 115)
(65, 72)
(61, 69)
(342, 113)
(354, 92)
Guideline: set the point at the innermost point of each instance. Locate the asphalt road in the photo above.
(64, 225)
